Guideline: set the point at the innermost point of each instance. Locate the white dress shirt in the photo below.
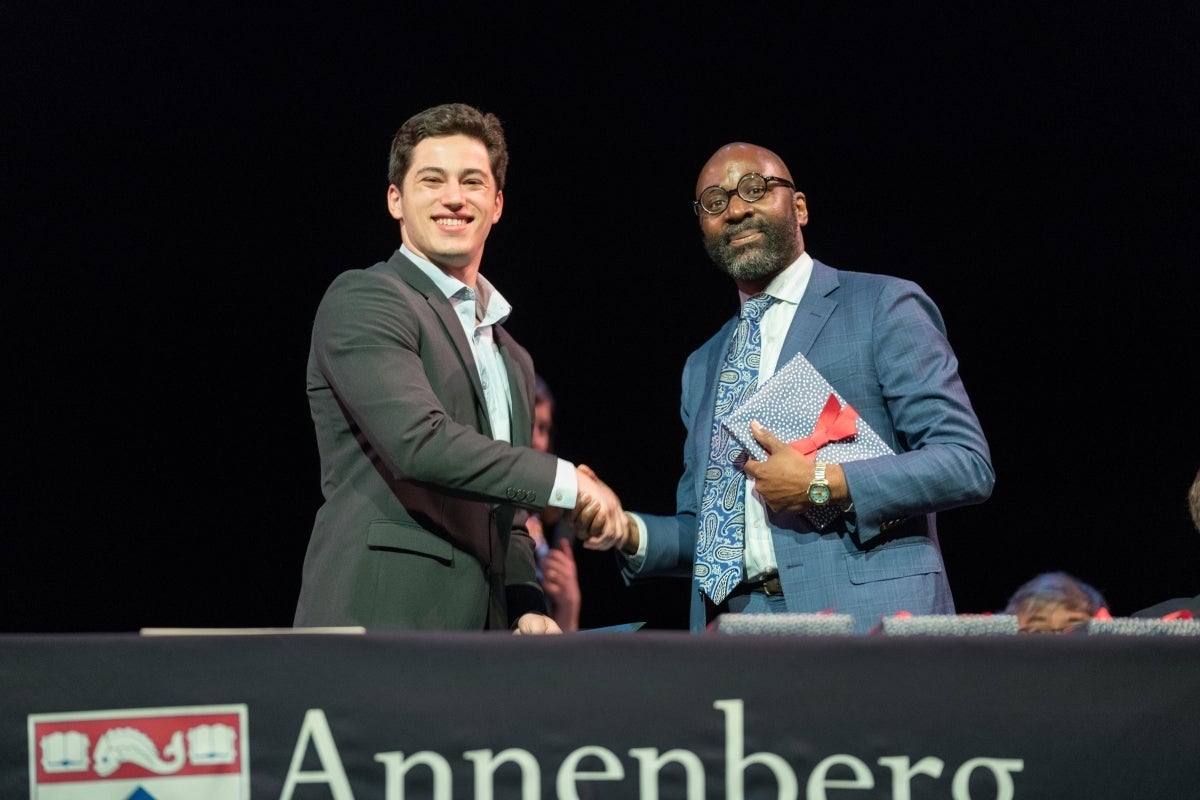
(788, 287)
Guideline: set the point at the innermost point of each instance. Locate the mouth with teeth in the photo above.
(451, 222)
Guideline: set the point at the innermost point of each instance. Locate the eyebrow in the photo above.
(441, 171)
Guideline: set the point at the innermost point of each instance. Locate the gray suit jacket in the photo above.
(416, 530)
(881, 342)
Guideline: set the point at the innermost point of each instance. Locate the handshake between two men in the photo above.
(781, 480)
(598, 518)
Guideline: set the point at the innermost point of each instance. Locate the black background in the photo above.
(180, 186)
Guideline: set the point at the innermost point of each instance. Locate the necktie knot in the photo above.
(756, 306)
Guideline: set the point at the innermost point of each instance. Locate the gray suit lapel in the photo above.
(521, 422)
(409, 273)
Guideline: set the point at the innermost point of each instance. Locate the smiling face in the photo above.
(752, 242)
(448, 203)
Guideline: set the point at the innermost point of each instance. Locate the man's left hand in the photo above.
(782, 480)
(536, 623)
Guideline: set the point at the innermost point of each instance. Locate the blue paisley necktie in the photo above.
(723, 508)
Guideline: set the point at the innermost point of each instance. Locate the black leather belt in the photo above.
(770, 586)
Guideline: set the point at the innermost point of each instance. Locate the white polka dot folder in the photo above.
(790, 405)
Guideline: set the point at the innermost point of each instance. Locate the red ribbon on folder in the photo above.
(835, 423)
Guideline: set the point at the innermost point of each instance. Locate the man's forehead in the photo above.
(456, 151)
(731, 163)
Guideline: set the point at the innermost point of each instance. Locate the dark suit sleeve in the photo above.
(398, 376)
(524, 593)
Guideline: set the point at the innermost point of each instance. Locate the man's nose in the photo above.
(737, 208)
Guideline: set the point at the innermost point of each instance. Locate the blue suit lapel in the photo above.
(812, 312)
(704, 387)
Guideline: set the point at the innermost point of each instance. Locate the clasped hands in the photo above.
(598, 518)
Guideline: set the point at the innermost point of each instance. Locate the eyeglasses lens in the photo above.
(752, 187)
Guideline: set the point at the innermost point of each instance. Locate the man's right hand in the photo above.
(598, 518)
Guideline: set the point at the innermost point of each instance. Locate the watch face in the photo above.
(819, 493)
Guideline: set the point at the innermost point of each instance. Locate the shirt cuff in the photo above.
(633, 561)
(565, 491)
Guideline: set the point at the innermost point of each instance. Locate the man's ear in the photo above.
(499, 206)
(393, 201)
(801, 209)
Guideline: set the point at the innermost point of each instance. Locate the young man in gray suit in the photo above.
(745, 528)
(423, 409)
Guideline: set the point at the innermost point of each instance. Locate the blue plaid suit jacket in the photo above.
(881, 342)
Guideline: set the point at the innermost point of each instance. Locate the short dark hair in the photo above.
(541, 391)
(449, 119)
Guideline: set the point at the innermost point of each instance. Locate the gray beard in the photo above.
(778, 248)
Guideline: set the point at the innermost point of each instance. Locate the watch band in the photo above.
(818, 491)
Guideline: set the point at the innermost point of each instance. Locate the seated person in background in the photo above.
(551, 534)
(1180, 605)
(1054, 602)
